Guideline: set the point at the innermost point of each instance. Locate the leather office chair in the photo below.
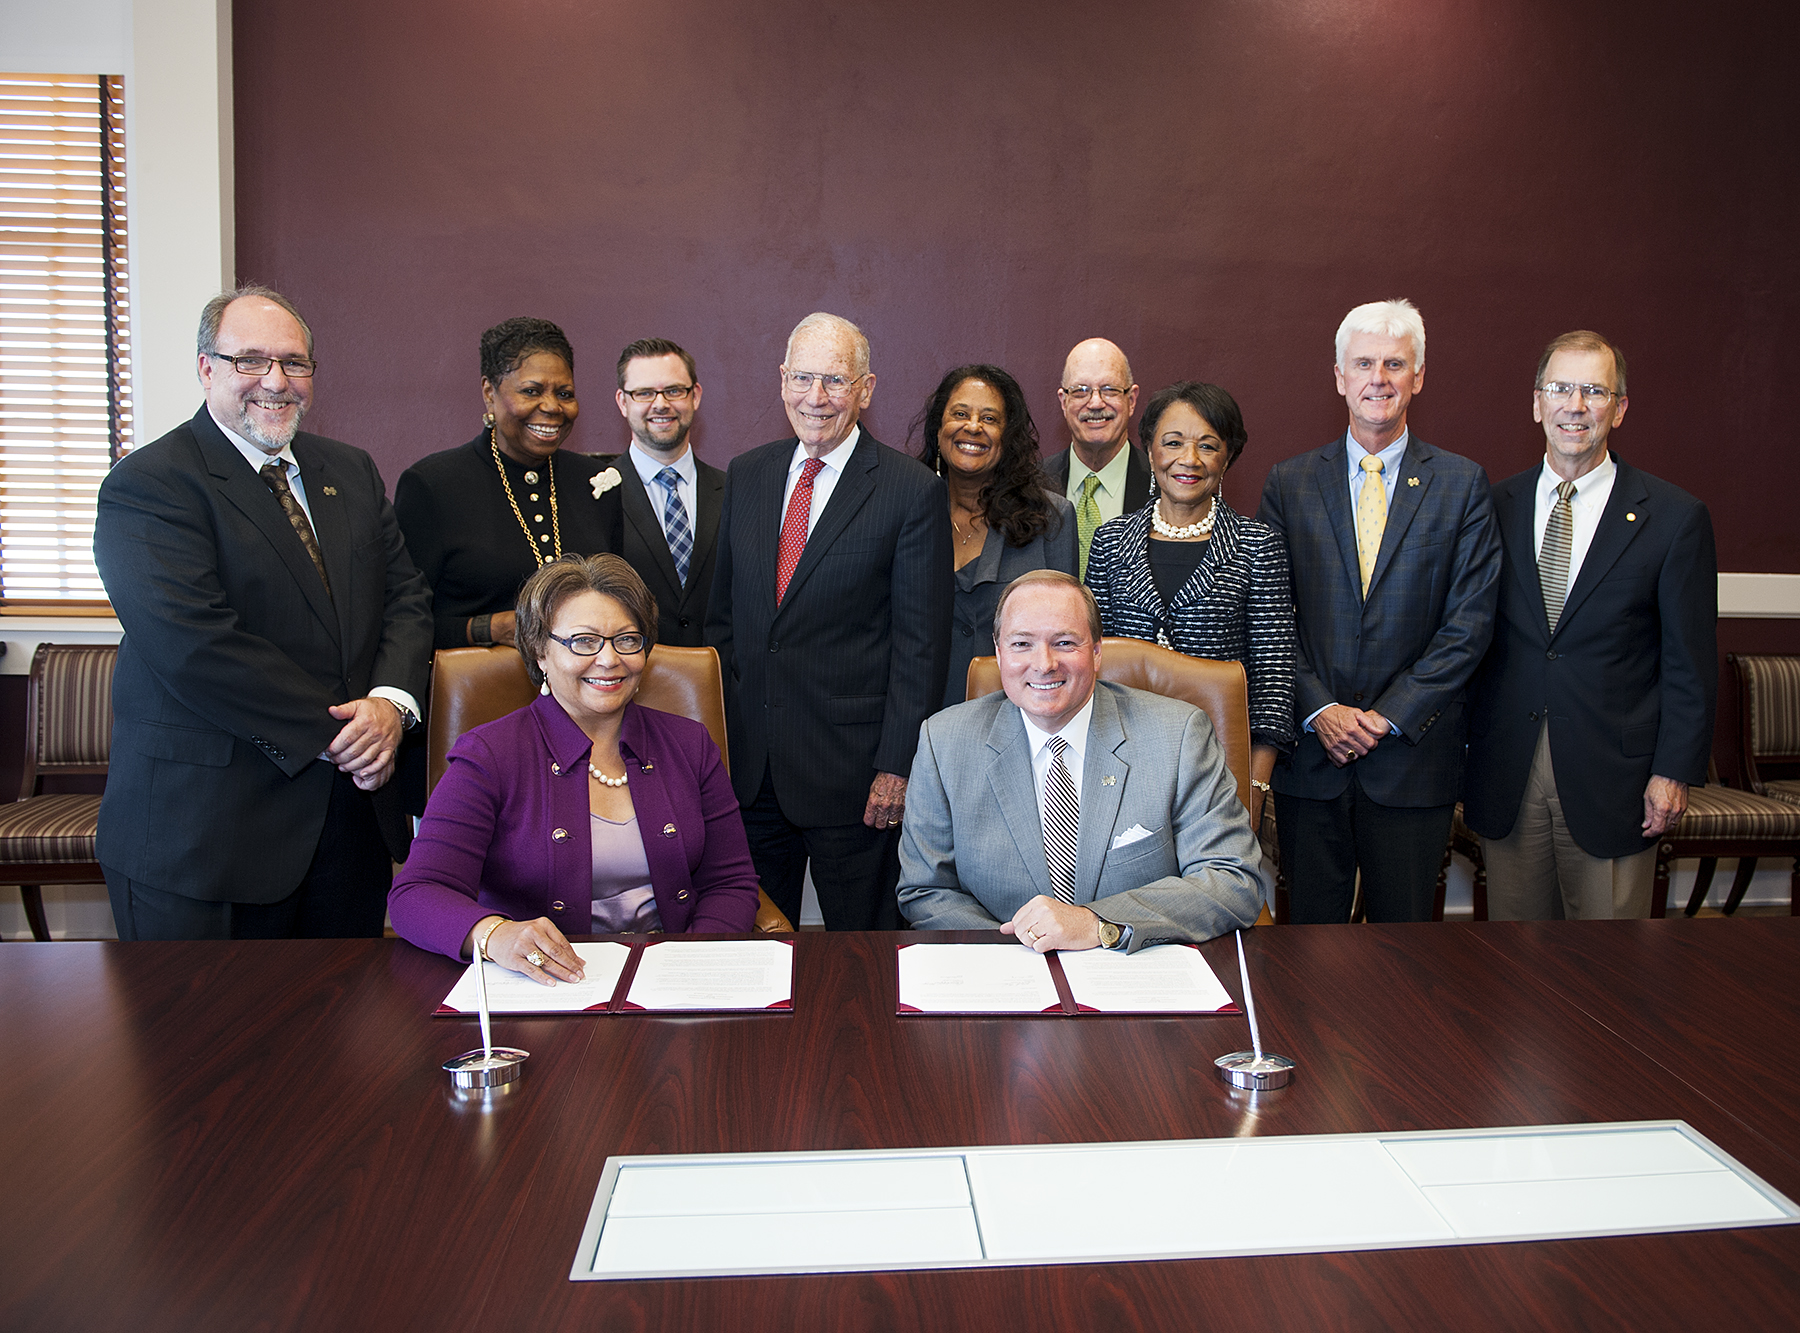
(470, 686)
(49, 839)
(1218, 689)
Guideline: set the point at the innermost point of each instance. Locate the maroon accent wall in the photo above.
(1211, 183)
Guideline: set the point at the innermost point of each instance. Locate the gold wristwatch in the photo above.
(1110, 935)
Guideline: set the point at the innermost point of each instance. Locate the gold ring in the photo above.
(535, 958)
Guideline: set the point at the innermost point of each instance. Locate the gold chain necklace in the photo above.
(555, 518)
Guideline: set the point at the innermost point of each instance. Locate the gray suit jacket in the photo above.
(1151, 762)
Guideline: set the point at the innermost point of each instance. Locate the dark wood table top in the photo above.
(259, 1135)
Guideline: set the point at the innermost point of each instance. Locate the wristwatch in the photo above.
(1110, 935)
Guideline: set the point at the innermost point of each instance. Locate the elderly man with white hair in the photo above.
(831, 613)
(1396, 566)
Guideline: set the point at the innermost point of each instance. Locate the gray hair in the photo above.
(206, 343)
(837, 324)
(1387, 319)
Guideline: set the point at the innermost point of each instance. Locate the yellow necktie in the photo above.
(1371, 518)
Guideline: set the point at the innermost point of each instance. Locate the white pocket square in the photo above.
(1136, 833)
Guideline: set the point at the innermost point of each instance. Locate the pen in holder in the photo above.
(492, 1067)
(1253, 1069)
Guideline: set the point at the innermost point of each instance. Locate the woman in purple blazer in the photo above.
(582, 813)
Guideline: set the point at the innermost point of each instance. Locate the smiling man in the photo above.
(1593, 712)
(671, 499)
(831, 614)
(276, 643)
(1395, 563)
(1100, 473)
(1072, 812)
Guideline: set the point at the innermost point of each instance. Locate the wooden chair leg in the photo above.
(1740, 883)
(1659, 891)
(34, 910)
(1443, 885)
(1703, 878)
(1794, 889)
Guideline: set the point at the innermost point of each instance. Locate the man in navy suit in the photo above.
(1593, 712)
(831, 613)
(671, 500)
(1395, 564)
(276, 643)
(1102, 475)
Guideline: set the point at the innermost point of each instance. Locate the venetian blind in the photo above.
(65, 341)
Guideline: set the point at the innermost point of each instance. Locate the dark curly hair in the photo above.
(1013, 500)
(509, 342)
(1218, 408)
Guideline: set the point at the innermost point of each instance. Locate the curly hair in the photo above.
(1012, 501)
(509, 342)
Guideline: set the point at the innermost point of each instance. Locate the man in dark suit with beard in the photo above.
(276, 643)
(831, 614)
(671, 499)
(1593, 711)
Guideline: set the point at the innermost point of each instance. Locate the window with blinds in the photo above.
(65, 330)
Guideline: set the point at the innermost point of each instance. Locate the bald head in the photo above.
(1098, 397)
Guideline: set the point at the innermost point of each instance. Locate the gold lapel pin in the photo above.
(331, 490)
(1631, 518)
(1106, 781)
(1412, 481)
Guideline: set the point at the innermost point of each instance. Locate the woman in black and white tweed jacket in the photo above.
(1191, 573)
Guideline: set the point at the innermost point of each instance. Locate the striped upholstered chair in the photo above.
(49, 839)
(1726, 821)
(1769, 724)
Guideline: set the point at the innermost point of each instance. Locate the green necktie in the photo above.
(1087, 520)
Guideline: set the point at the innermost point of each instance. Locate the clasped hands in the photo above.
(1349, 733)
(1047, 923)
(370, 738)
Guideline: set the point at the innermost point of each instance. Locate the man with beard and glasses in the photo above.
(276, 645)
(672, 500)
(1100, 473)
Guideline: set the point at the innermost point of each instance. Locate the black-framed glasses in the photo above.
(1561, 391)
(836, 386)
(675, 393)
(628, 644)
(1109, 393)
(294, 367)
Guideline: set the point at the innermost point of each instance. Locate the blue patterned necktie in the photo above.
(675, 524)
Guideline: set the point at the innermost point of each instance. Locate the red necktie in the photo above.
(793, 527)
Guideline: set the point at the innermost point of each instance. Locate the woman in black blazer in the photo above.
(1005, 520)
(1191, 573)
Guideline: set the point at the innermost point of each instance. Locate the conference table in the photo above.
(260, 1136)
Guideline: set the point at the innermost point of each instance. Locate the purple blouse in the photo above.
(507, 830)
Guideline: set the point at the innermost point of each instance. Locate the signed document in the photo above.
(511, 993)
(1162, 979)
(975, 979)
(689, 973)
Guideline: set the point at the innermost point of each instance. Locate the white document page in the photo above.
(1163, 979)
(713, 974)
(976, 979)
(510, 992)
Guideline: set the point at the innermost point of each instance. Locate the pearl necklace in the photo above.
(606, 781)
(1200, 529)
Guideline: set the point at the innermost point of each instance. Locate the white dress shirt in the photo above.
(1390, 465)
(1585, 508)
(825, 483)
(1075, 733)
(686, 485)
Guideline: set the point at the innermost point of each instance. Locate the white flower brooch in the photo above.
(606, 481)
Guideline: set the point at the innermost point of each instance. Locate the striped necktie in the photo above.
(1062, 821)
(1553, 560)
(274, 475)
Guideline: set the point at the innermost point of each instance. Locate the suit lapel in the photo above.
(1614, 533)
(1410, 489)
(1107, 757)
(763, 509)
(1015, 790)
(709, 496)
(250, 495)
(641, 514)
(1137, 586)
(1333, 484)
(331, 528)
(852, 490)
(1514, 510)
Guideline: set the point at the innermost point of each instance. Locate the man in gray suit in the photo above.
(1071, 812)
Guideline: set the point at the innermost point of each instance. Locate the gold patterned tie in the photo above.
(1087, 521)
(1371, 517)
(1553, 560)
(274, 475)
